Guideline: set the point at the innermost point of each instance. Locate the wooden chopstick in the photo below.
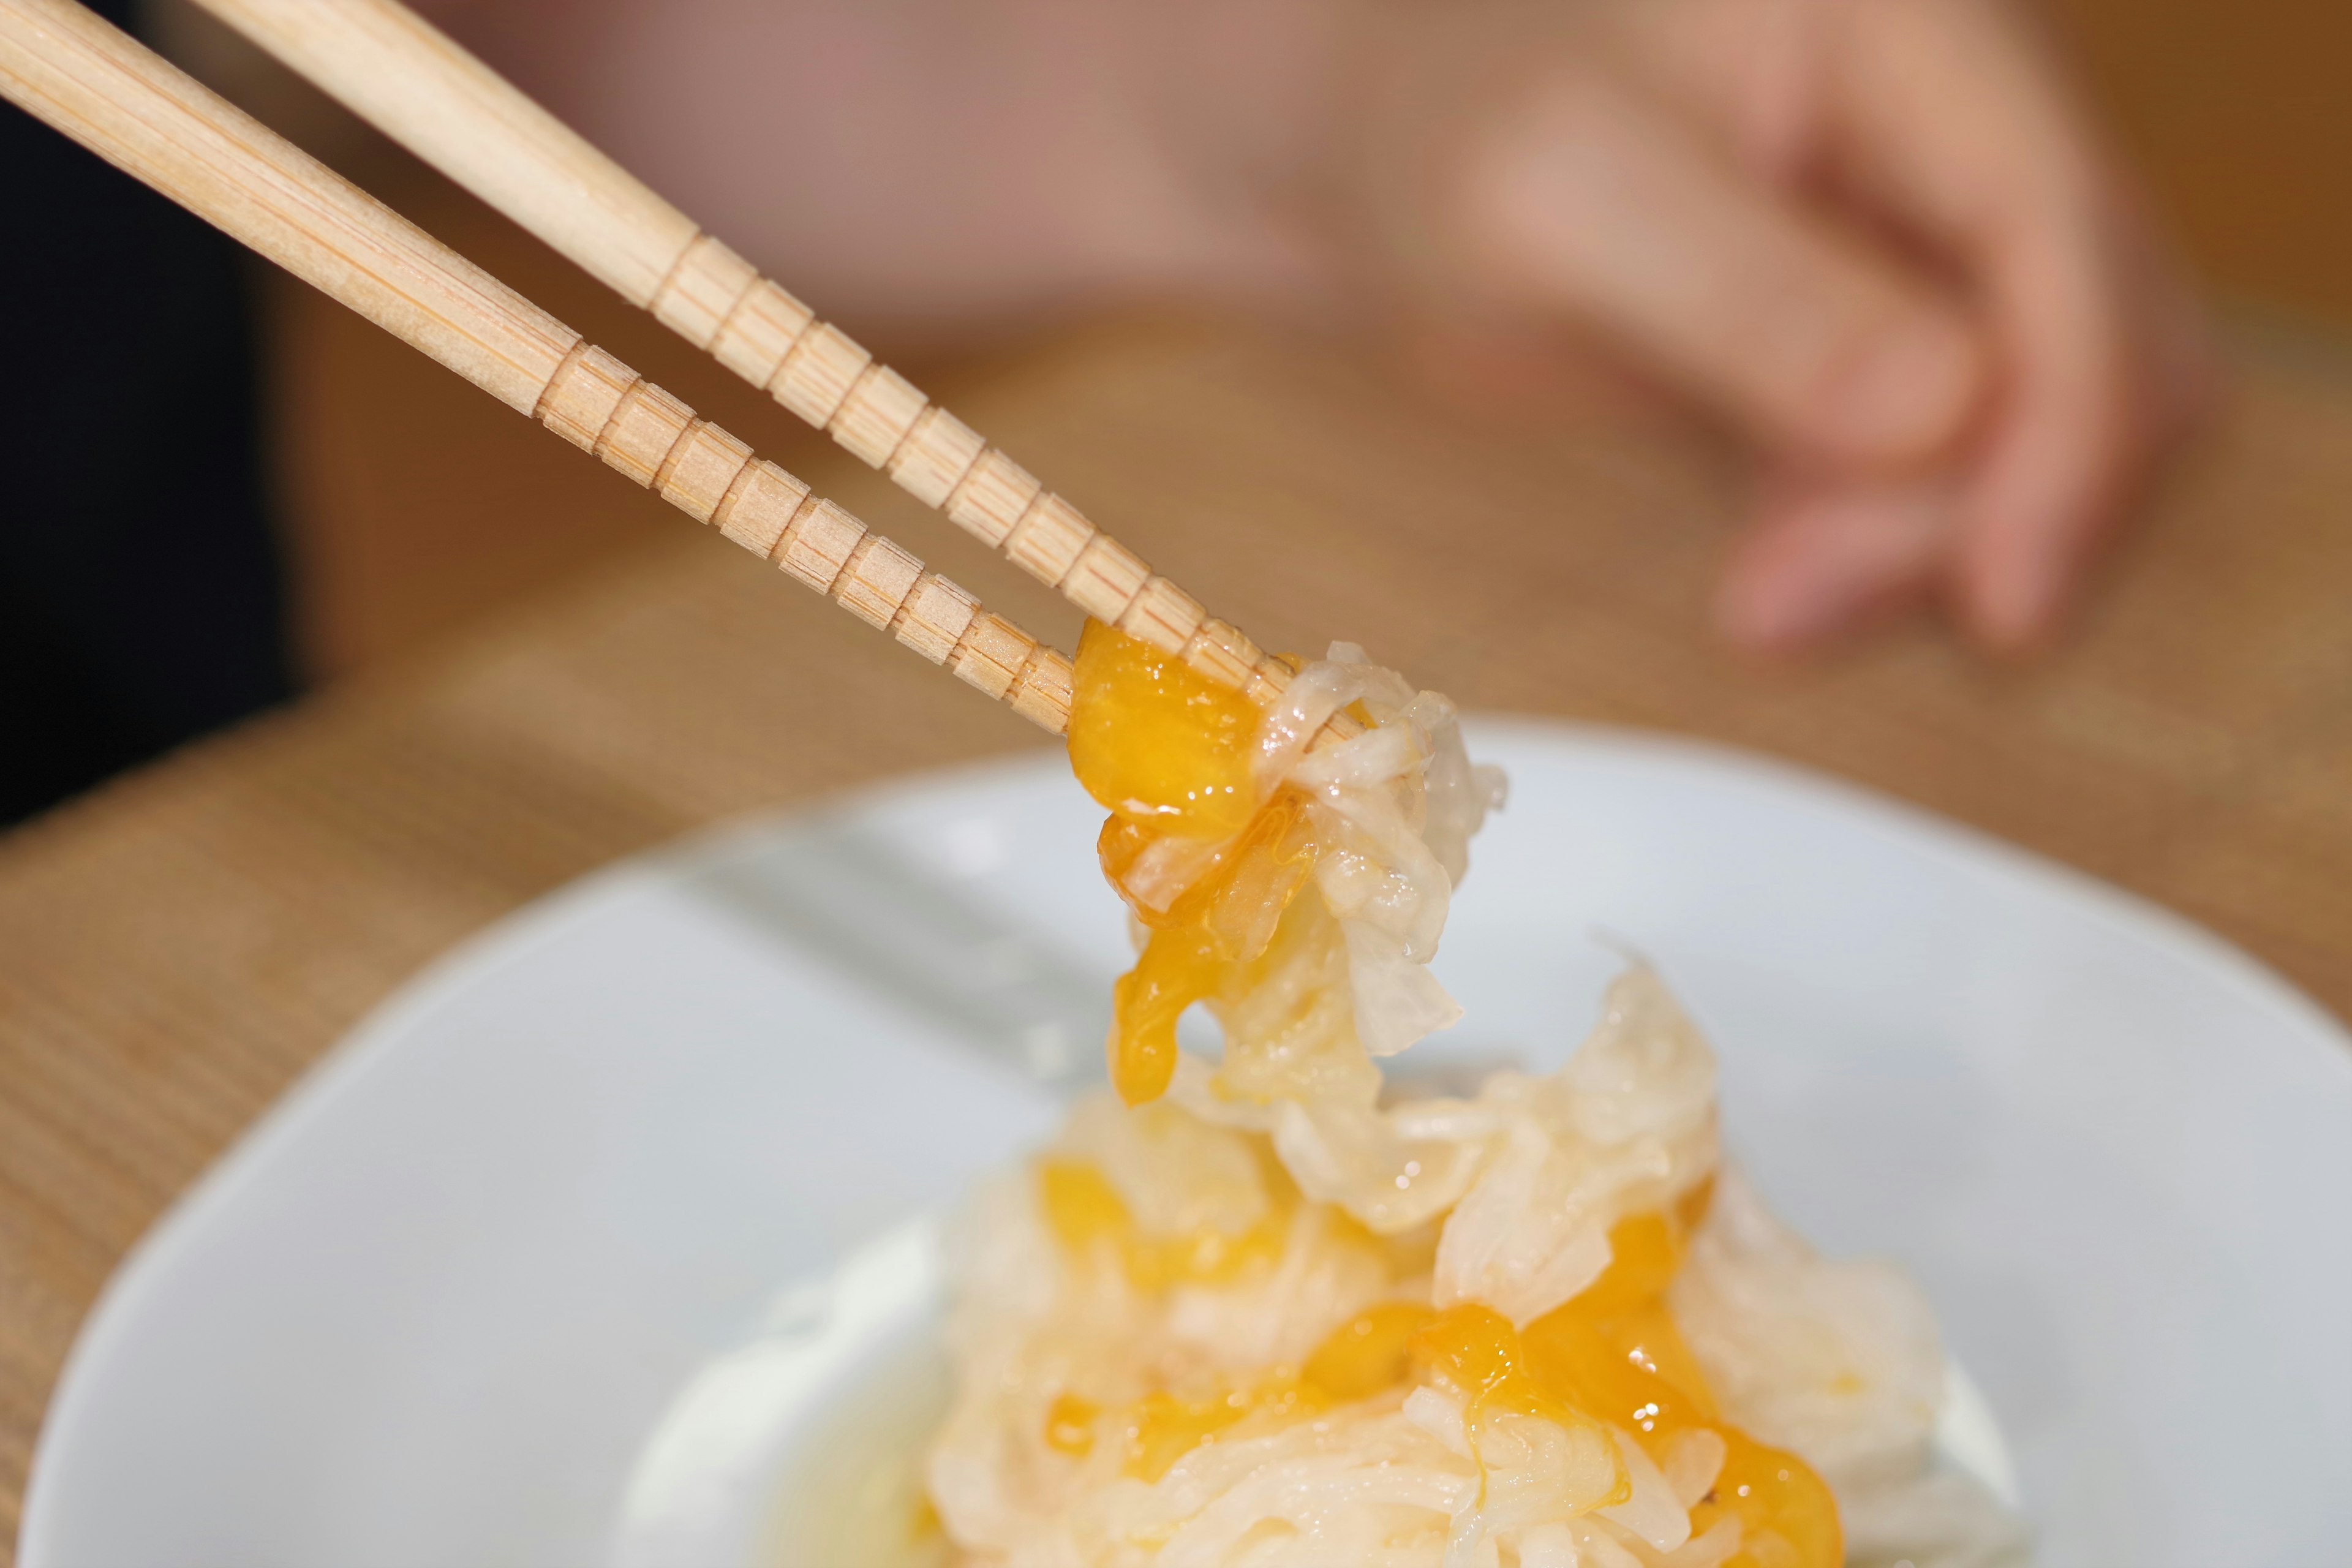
(69, 66)
(409, 81)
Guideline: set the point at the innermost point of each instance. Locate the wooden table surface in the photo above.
(175, 950)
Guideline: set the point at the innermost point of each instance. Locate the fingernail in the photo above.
(1904, 393)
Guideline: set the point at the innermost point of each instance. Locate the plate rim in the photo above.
(344, 1065)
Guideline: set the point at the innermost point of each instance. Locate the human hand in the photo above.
(1874, 234)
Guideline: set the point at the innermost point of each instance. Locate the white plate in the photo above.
(434, 1308)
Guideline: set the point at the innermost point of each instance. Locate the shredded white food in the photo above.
(1505, 1198)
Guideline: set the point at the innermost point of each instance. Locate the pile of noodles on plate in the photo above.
(1256, 1312)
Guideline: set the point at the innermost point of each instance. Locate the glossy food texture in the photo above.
(1254, 1311)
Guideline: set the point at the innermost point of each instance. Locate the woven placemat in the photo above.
(175, 950)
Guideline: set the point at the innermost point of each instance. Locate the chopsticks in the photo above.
(74, 70)
(401, 75)
(67, 66)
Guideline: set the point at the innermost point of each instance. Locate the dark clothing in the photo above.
(140, 601)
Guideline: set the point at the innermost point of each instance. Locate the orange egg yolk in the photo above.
(1362, 1358)
(1612, 1353)
(1371, 1352)
(1070, 1425)
(1156, 741)
(1169, 752)
(1203, 945)
(1089, 1218)
(1161, 1428)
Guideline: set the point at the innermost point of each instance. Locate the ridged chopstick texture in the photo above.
(87, 78)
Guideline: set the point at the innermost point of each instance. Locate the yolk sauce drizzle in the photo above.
(1613, 1352)
(1360, 1359)
(1476, 1351)
(1169, 752)
(1161, 1428)
(1611, 1355)
(1070, 1425)
(1089, 1218)
(1157, 741)
(1369, 1353)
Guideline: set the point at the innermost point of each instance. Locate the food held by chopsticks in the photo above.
(1263, 1313)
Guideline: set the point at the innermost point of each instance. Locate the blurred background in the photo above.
(412, 507)
(2236, 116)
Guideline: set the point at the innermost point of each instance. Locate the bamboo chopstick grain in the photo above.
(413, 83)
(71, 69)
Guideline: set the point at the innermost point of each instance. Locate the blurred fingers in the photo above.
(2109, 376)
(1512, 377)
(1950, 117)
(1592, 200)
(2059, 457)
(1945, 124)
(1825, 561)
